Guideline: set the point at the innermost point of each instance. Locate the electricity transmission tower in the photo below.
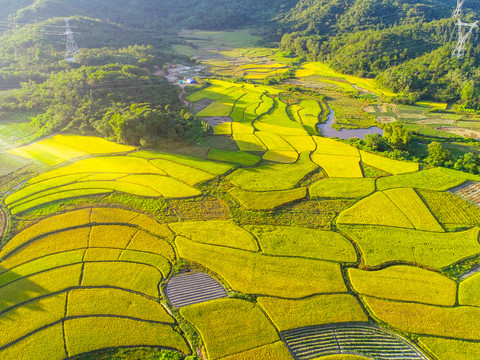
(71, 47)
(463, 36)
(458, 10)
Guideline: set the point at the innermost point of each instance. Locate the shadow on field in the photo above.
(17, 292)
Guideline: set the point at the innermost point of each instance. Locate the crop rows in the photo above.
(183, 290)
(72, 276)
(371, 342)
(469, 191)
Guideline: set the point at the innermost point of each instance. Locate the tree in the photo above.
(397, 136)
(437, 155)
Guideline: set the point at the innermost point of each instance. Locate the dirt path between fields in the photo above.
(3, 223)
(470, 273)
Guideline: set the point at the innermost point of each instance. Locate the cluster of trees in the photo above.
(406, 45)
(439, 156)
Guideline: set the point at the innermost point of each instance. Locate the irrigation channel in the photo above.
(327, 130)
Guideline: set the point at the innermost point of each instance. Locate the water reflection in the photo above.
(327, 130)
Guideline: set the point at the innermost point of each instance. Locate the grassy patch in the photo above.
(389, 165)
(253, 273)
(237, 157)
(316, 310)
(405, 283)
(281, 156)
(223, 106)
(309, 115)
(218, 320)
(380, 244)
(450, 210)
(273, 176)
(453, 322)
(267, 200)
(81, 335)
(186, 174)
(10, 163)
(248, 142)
(431, 179)
(216, 232)
(342, 188)
(303, 242)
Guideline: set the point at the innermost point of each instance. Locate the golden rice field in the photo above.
(393, 251)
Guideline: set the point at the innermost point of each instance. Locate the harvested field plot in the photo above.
(405, 283)
(381, 244)
(315, 310)
(216, 320)
(253, 273)
(469, 191)
(267, 200)
(363, 340)
(189, 289)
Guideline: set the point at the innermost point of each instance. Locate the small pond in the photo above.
(330, 132)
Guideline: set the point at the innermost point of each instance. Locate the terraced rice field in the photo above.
(104, 278)
(189, 289)
(144, 174)
(60, 148)
(363, 340)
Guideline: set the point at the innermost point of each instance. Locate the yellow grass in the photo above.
(242, 128)
(281, 156)
(248, 142)
(110, 236)
(27, 318)
(453, 322)
(254, 273)
(303, 242)
(316, 310)
(468, 291)
(104, 301)
(275, 351)
(445, 349)
(223, 129)
(339, 166)
(377, 209)
(342, 188)
(334, 147)
(186, 174)
(389, 165)
(91, 144)
(230, 326)
(300, 143)
(157, 261)
(216, 232)
(143, 241)
(136, 277)
(45, 344)
(82, 335)
(267, 200)
(410, 204)
(405, 283)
